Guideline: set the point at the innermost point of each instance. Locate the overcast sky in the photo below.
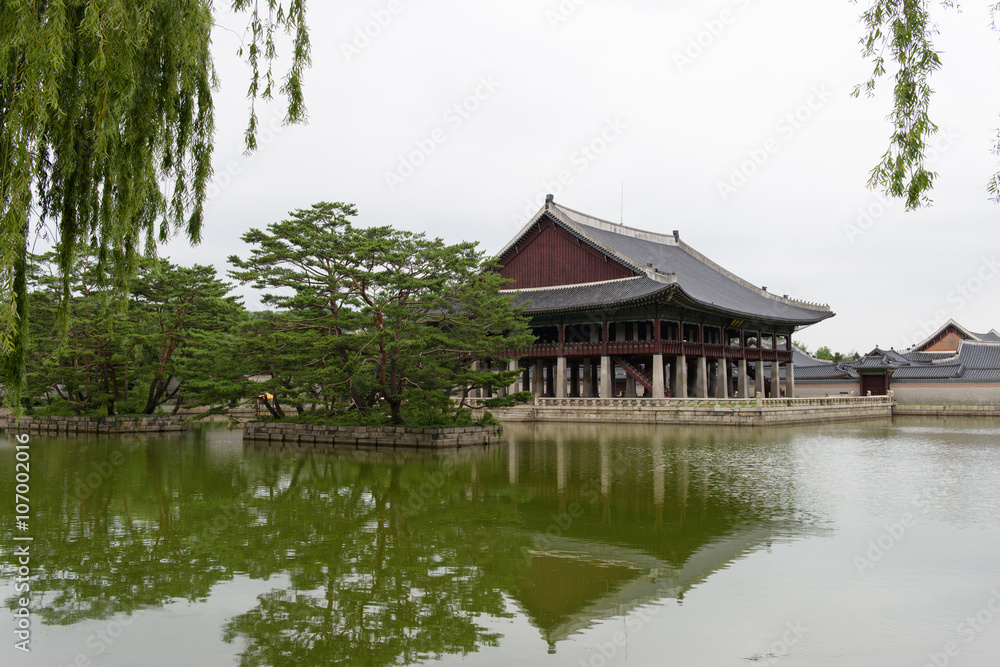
(455, 118)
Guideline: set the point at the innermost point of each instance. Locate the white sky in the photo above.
(676, 131)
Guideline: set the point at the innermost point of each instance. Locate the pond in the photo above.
(870, 543)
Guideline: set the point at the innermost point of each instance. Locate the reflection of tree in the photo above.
(109, 532)
(378, 578)
(389, 561)
(393, 558)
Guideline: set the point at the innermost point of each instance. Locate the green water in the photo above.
(854, 544)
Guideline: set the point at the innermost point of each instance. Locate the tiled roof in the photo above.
(979, 355)
(666, 258)
(974, 361)
(925, 357)
(590, 295)
(929, 372)
(826, 372)
(698, 277)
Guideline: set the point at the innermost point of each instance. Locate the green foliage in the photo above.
(374, 318)
(101, 103)
(827, 355)
(171, 340)
(902, 32)
(509, 400)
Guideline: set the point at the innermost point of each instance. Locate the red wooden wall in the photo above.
(549, 255)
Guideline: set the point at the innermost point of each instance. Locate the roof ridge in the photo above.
(944, 326)
(552, 287)
(624, 230)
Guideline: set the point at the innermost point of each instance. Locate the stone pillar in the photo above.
(681, 377)
(701, 377)
(658, 381)
(722, 378)
(607, 377)
(775, 379)
(629, 386)
(743, 379)
(789, 380)
(761, 383)
(561, 377)
(513, 365)
(587, 386)
(538, 379)
(713, 368)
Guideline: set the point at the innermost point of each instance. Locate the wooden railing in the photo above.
(668, 348)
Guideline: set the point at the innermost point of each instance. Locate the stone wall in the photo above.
(108, 425)
(981, 393)
(818, 389)
(371, 436)
(911, 409)
(753, 412)
(946, 392)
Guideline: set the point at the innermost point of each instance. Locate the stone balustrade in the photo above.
(751, 411)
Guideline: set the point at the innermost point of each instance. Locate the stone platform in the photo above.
(363, 437)
(748, 412)
(100, 425)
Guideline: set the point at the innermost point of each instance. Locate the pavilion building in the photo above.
(608, 301)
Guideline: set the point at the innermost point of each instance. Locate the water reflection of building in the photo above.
(609, 519)
(617, 526)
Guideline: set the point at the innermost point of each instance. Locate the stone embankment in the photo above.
(363, 437)
(952, 410)
(750, 412)
(100, 425)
